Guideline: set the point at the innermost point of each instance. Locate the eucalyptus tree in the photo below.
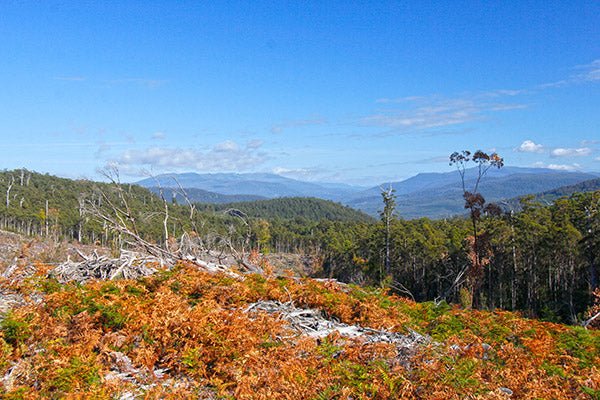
(387, 215)
(477, 206)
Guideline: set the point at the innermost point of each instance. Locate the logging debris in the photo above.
(129, 265)
(314, 323)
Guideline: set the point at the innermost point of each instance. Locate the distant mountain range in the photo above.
(434, 195)
(263, 185)
(203, 196)
(440, 195)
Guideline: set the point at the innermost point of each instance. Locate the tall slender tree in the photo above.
(476, 205)
(387, 215)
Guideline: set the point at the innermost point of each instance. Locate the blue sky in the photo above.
(357, 92)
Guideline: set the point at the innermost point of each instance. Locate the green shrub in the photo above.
(15, 329)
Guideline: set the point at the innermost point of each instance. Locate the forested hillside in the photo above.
(64, 209)
(542, 260)
(549, 196)
(309, 208)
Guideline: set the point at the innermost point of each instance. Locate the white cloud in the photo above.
(304, 174)
(225, 156)
(559, 167)
(564, 152)
(421, 113)
(564, 167)
(528, 146)
(158, 135)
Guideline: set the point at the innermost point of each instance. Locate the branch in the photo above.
(585, 324)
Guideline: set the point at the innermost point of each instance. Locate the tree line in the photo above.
(542, 260)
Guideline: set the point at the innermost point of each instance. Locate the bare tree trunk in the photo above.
(46, 219)
(10, 185)
(81, 201)
(165, 223)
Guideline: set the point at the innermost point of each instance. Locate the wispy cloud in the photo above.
(158, 136)
(585, 143)
(564, 152)
(472, 96)
(528, 146)
(587, 73)
(299, 123)
(254, 144)
(304, 174)
(398, 100)
(422, 113)
(224, 156)
(433, 160)
(102, 149)
(505, 92)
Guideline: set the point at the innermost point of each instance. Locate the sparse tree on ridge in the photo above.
(477, 206)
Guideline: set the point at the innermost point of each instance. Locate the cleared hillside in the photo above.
(184, 333)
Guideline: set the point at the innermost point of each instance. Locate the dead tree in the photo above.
(181, 191)
(113, 209)
(11, 182)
